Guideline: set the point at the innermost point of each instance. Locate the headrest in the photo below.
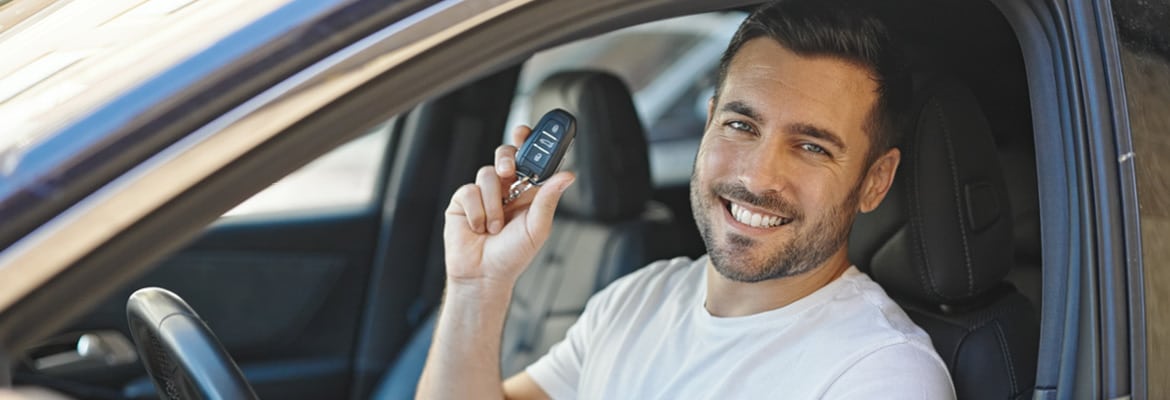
(943, 235)
(609, 154)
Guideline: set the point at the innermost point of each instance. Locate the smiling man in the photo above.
(799, 139)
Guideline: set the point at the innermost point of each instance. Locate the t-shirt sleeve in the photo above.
(901, 371)
(559, 371)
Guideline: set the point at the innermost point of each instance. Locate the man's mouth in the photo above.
(753, 218)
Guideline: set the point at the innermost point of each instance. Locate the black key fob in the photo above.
(541, 154)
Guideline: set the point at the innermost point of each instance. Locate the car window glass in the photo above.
(1145, 60)
(61, 59)
(345, 178)
(670, 67)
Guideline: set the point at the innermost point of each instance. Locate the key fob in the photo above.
(541, 154)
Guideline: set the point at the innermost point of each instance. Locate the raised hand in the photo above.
(487, 242)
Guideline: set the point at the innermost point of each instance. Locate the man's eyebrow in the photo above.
(818, 133)
(805, 129)
(742, 108)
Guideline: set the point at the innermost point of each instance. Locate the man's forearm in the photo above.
(464, 360)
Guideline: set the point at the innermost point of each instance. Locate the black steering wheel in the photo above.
(182, 356)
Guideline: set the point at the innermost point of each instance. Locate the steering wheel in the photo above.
(182, 356)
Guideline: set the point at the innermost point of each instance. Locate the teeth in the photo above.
(756, 220)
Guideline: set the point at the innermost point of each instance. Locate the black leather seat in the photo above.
(941, 244)
(606, 226)
(1019, 166)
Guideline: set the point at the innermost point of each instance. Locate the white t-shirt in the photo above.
(648, 336)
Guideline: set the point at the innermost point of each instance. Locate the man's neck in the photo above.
(728, 298)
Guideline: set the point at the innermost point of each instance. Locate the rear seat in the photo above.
(606, 227)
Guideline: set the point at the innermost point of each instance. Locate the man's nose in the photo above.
(766, 168)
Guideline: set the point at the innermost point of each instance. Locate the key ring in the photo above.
(518, 188)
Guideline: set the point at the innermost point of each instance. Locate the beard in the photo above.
(811, 244)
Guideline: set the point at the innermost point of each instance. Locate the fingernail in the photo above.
(504, 166)
(567, 184)
(496, 227)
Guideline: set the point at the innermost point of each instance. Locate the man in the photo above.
(798, 140)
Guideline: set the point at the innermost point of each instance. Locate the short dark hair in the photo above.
(847, 29)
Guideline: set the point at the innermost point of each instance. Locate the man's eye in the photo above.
(739, 126)
(814, 148)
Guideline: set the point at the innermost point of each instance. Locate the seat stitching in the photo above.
(1007, 354)
(924, 274)
(958, 203)
(959, 347)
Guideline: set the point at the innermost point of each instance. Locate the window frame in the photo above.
(1087, 202)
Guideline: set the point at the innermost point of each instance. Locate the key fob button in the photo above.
(542, 152)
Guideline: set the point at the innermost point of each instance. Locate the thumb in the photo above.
(544, 204)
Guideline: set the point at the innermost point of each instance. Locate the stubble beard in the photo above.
(808, 248)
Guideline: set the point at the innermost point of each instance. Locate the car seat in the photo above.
(606, 226)
(941, 244)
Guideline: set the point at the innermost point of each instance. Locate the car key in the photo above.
(542, 152)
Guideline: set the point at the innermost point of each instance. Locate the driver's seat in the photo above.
(941, 245)
(606, 226)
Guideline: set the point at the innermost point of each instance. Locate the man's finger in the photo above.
(467, 201)
(544, 204)
(492, 196)
(506, 161)
(520, 134)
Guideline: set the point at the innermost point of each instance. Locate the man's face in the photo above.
(782, 169)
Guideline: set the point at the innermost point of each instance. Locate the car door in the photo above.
(281, 282)
(312, 284)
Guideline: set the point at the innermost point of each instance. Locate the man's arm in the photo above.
(522, 387)
(486, 246)
(464, 359)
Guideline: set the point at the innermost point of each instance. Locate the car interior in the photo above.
(331, 302)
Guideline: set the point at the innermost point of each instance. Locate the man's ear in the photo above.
(878, 180)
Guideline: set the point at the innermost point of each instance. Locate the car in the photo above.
(131, 128)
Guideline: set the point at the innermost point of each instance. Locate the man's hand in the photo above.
(488, 243)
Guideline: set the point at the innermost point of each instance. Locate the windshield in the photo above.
(63, 58)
